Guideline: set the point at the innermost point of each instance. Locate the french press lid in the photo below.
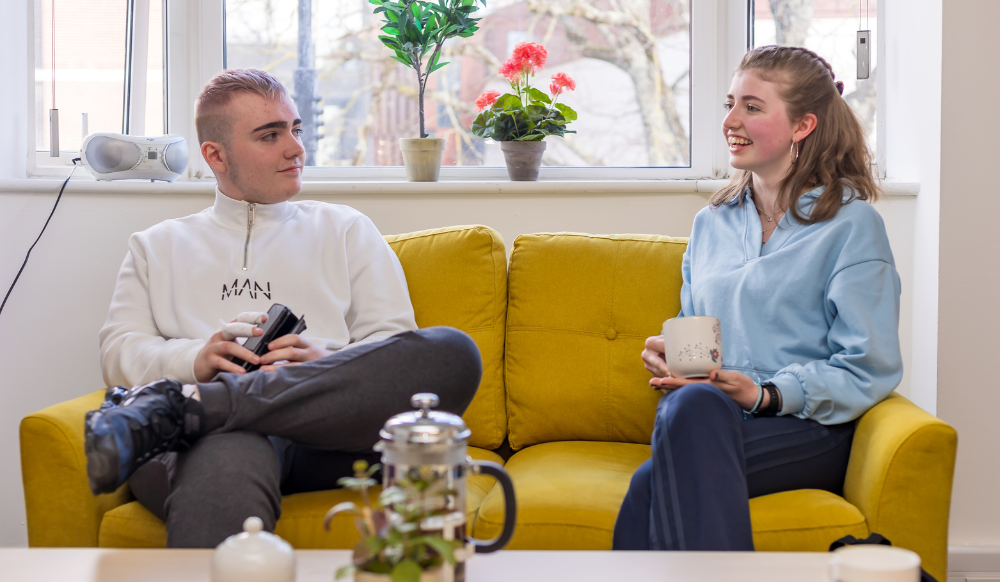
(425, 426)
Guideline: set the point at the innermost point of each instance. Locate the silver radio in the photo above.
(113, 156)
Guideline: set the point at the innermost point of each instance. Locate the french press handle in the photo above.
(510, 507)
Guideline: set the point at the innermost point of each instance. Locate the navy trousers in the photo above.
(708, 461)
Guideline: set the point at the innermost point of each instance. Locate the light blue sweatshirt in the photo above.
(815, 310)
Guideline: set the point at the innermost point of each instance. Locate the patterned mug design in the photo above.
(698, 352)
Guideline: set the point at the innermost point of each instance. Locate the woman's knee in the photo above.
(694, 406)
(702, 397)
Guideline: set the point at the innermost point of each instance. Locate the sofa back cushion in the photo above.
(580, 309)
(457, 276)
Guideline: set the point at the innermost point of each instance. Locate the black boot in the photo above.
(152, 419)
(114, 396)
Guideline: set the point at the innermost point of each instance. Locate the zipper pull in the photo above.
(246, 245)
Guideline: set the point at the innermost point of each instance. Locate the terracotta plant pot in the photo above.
(426, 576)
(523, 159)
(422, 158)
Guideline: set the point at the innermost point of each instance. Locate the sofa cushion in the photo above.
(569, 494)
(301, 523)
(580, 309)
(457, 276)
(805, 520)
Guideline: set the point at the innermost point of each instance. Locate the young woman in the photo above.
(796, 265)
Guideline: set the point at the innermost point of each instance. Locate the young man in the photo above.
(319, 400)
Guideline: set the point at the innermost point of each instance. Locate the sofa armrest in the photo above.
(60, 509)
(900, 477)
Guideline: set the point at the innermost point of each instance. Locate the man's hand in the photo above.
(213, 357)
(293, 348)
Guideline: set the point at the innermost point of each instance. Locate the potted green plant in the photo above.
(520, 120)
(416, 30)
(396, 543)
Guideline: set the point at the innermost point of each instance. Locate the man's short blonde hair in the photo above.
(210, 119)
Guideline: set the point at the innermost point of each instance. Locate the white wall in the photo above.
(969, 313)
(913, 152)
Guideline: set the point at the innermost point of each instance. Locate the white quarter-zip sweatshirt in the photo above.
(326, 262)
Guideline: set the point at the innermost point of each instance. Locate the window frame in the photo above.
(39, 163)
(712, 50)
(194, 52)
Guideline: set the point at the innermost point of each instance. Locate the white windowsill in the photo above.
(86, 185)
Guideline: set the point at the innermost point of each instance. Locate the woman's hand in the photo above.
(737, 386)
(654, 359)
(293, 348)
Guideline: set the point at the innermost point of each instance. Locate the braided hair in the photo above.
(834, 155)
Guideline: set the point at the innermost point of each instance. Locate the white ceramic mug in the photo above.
(874, 563)
(693, 346)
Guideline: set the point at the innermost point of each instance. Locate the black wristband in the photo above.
(774, 404)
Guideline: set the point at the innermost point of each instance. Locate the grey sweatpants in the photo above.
(296, 429)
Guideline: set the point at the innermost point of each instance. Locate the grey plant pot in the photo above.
(523, 159)
(422, 158)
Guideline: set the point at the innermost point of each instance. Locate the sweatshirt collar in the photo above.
(233, 214)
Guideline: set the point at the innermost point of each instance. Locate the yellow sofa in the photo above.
(563, 397)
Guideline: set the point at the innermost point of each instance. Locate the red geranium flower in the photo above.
(487, 99)
(530, 56)
(511, 70)
(563, 80)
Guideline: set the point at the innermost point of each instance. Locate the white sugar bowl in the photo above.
(253, 556)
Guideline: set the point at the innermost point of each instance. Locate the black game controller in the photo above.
(280, 321)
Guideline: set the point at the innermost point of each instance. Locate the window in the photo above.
(631, 62)
(89, 74)
(650, 75)
(829, 28)
(92, 47)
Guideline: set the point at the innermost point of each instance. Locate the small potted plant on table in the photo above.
(416, 30)
(522, 119)
(396, 542)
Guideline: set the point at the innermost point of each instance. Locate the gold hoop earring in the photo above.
(793, 149)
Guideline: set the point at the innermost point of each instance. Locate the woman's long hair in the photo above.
(834, 155)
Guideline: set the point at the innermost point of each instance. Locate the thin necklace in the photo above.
(770, 218)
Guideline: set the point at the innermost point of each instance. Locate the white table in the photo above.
(93, 565)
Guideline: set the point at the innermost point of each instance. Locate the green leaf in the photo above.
(415, 8)
(484, 124)
(536, 96)
(393, 16)
(375, 2)
(436, 67)
(378, 567)
(405, 62)
(390, 29)
(345, 571)
(390, 42)
(567, 111)
(530, 137)
(406, 571)
(508, 102)
(444, 548)
(375, 545)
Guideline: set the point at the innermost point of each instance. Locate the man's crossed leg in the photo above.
(229, 469)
